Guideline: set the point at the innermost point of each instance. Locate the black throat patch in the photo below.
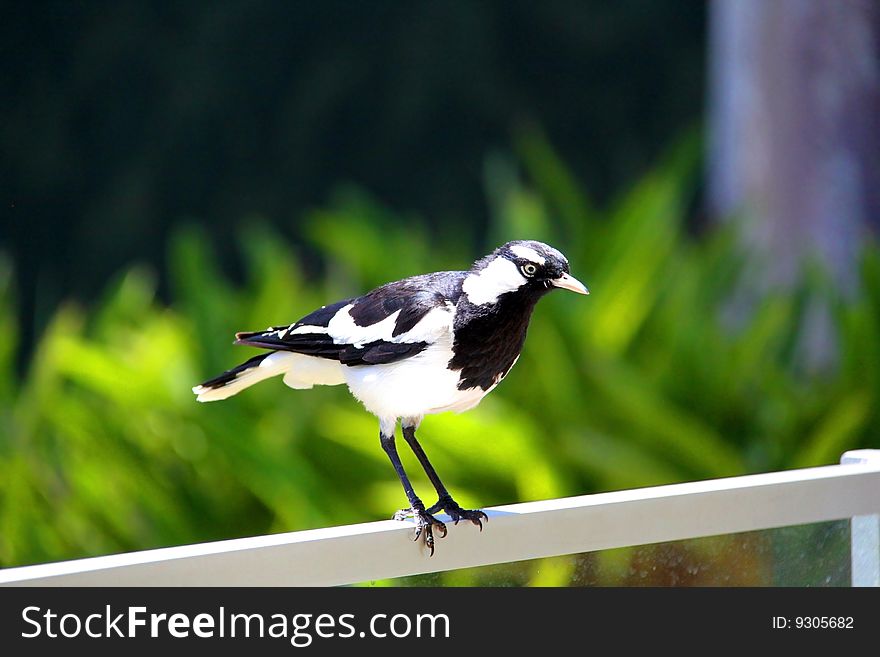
(489, 338)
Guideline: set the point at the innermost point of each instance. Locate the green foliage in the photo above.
(661, 375)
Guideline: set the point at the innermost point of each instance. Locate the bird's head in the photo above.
(524, 265)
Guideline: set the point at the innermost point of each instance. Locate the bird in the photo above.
(418, 346)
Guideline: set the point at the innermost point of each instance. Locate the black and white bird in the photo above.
(422, 345)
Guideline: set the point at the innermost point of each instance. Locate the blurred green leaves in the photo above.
(661, 375)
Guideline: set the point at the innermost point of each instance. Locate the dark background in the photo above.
(119, 120)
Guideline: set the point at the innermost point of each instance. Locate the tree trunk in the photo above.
(795, 132)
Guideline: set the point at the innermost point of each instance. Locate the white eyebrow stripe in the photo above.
(527, 253)
(498, 277)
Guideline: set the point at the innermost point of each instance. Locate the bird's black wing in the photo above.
(390, 323)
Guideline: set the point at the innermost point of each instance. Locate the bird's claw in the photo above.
(454, 511)
(425, 524)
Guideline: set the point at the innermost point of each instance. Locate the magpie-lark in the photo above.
(426, 344)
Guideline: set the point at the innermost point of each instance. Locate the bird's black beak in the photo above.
(569, 282)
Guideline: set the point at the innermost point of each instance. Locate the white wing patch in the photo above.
(435, 325)
(305, 328)
(343, 329)
(498, 277)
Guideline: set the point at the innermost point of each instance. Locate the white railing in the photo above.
(357, 553)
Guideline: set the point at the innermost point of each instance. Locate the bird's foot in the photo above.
(452, 508)
(425, 524)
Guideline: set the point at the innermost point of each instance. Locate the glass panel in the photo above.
(803, 555)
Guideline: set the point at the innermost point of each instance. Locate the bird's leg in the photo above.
(425, 522)
(445, 501)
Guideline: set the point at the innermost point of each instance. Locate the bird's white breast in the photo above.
(417, 386)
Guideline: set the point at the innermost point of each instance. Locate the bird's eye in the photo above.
(529, 269)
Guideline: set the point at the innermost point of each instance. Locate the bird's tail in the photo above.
(258, 368)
